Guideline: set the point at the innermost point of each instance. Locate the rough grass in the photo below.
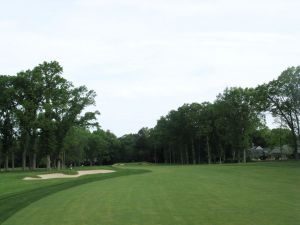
(252, 194)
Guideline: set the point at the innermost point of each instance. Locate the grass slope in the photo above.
(252, 194)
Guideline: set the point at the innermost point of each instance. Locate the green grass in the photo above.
(16, 193)
(252, 194)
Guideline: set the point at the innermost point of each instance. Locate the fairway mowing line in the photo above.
(61, 175)
(9, 205)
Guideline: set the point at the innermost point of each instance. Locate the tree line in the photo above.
(224, 130)
(42, 120)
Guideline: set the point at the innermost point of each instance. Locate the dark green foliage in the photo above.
(272, 138)
(75, 145)
(7, 116)
(38, 107)
(128, 148)
(44, 115)
(225, 130)
(282, 98)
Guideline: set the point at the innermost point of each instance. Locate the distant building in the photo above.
(258, 153)
(275, 153)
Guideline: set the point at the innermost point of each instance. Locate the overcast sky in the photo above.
(144, 58)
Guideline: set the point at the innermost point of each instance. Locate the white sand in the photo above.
(61, 175)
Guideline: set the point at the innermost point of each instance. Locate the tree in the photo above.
(55, 95)
(61, 106)
(282, 98)
(29, 89)
(127, 148)
(206, 126)
(7, 116)
(75, 145)
(69, 114)
(38, 107)
(240, 118)
(108, 146)
(142, 145)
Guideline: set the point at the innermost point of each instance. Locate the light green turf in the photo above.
(253, 194)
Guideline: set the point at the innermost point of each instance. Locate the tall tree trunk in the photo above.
(30, 163)
(220, 153)
(186, 154)
(165, 155)
(58, 164)
(174, 156)
(170, 154)
(6, 162)
(233, 156)
(24, 160)
(181, 156)
(199, 158)
(33, 150)
(12, 160)
(295, 146)
(245, 155)
(100, 161)
(48, 162)
(155, 157)
(63, 160)
(193, 152)
(208, 150)
(33, 161)
(298, 134)
(297, 156)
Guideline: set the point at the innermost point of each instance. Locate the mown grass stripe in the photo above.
(9, 205)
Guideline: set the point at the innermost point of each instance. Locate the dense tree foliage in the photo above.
(42, 123)
(282, 98)
(38, 107)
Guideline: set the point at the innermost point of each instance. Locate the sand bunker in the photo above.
(61, 175)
